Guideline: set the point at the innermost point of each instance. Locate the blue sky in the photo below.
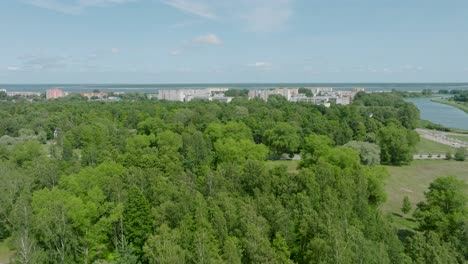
(219, 41)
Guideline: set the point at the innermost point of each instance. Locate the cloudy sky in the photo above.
(218, 41)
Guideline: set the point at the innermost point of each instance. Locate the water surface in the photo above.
(443, 114)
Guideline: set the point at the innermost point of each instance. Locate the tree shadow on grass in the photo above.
(405, 233)
(397, 215)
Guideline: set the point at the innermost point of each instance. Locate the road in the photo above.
(441, 137)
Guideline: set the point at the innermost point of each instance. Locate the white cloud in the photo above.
(102, 2)
(175, 52)
(13, 68)
(197, 8)
(262, 65)
(268, 15)
(386, 70)
(185, 24)
(196, 43)
(184, 69)
(115, 50)
(42, 62)
(256, 15)
(73, 7)
(211, 39)
(411, 68)
(311, 70)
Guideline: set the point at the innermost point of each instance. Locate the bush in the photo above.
(406, 207)
(460, 154)
(448, 156)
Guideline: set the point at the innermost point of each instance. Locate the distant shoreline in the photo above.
(456, 105)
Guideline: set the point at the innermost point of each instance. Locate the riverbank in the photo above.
(460, 106)
(442, 114)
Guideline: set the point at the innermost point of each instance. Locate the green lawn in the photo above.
(414, 179)
(290, 164)
(5, 252)
(426, 146)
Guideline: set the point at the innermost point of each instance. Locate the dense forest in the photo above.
(148, 181)
(461, 97)
(458, 95)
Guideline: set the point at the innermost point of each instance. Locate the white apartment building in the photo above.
(186, 95)
(264, 94)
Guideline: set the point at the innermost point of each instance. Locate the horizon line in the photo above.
(215, 83)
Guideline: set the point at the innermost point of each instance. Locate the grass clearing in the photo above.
(426, 146)
(413, 180)
(5, 252)
(292, 165)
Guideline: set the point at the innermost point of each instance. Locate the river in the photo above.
(440, 113)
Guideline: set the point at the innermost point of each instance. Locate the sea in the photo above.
(151, 88)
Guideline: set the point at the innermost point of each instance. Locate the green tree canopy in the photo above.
(283, 138)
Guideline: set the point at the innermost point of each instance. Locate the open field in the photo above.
(414, 179)
(426, 146)
(461, 106)
(5, 253)
(290, 164)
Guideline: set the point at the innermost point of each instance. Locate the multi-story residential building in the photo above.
(95, 95)
(23, 94)
(186, 95)
(321, 95)
(54, 94)
(264, 94)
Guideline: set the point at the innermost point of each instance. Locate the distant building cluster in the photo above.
(95, 95)
(187, 95)
(23, 94)
(320, 95)
(264, 94)
(28, 95)
(315, 95)
(98, 96)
